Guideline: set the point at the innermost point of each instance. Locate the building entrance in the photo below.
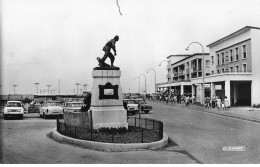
(240, 93)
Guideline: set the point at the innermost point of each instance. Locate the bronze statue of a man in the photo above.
(107, 49)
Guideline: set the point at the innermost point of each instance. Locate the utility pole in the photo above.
(36, 87)
(77, 87)
(48, 88)
(14, 88)
(59, 86)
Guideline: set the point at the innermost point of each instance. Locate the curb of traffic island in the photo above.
(110, 147)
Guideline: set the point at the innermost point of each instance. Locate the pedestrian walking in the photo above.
(175, 99)
(218, 100)
(225, 101)
(187, 101)
(179, 98)
(190, 99)
(207, 101)
(214, 100)
(193, 99)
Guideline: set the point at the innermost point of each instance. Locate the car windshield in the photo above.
(14, 104)
(76, 105)
(53, 104)
(131, 102)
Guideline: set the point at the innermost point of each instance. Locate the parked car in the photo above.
(51, 108)
(13, 108)
(131, 106)
(74, 106)
(144, 106)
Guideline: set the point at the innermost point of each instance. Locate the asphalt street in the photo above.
(204, 135)
(26, 142)
(198, 137)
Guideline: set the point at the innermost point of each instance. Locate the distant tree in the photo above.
(27, 100)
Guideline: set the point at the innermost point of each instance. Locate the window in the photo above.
(223, 70)
(227, 57)
(244, 51)
(231, 69)
(237, 68)
(212, 72)
(231, 55)
(212, 59)
(218, 71)
(223, 58)
(218, 59)
(236, 53)
(207, 62)
(244, 67)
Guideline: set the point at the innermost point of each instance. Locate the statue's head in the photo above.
(116, 37)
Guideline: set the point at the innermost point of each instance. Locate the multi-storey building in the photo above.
(182, 72)
(235, 70)
(231, 69)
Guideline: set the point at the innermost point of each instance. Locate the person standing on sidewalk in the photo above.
(187, 101)
(225, 101)
(213, 101)
(218, 102)
(207, 101)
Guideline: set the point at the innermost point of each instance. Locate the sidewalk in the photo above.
(245, 113)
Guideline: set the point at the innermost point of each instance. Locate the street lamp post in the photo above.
(144, 82)
(14, 88)
(36, 87)
(203, 69)
(169, 80)
(154, 79)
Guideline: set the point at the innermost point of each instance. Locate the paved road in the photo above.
(204, 135)
(27, 141)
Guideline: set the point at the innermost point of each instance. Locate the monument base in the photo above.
(110, 117)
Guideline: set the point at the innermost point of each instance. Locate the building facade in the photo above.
(231, 69)
(182, 72)
(235, 69)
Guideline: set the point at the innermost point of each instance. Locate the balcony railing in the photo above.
(180, 72)
(234, 72)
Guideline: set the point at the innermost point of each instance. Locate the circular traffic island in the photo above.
(142, 134)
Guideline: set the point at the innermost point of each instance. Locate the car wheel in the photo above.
(21, 117)
(5, 116)
(146, 112)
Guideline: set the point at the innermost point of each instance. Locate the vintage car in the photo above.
(144, 106)
(74, 106)
(131, 106)
(51, 108)
(13, 108)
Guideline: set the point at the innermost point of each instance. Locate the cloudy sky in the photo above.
(45, 41)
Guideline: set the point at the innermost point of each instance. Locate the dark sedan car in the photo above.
(144, 106)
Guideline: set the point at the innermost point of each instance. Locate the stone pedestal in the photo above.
(106, 100)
